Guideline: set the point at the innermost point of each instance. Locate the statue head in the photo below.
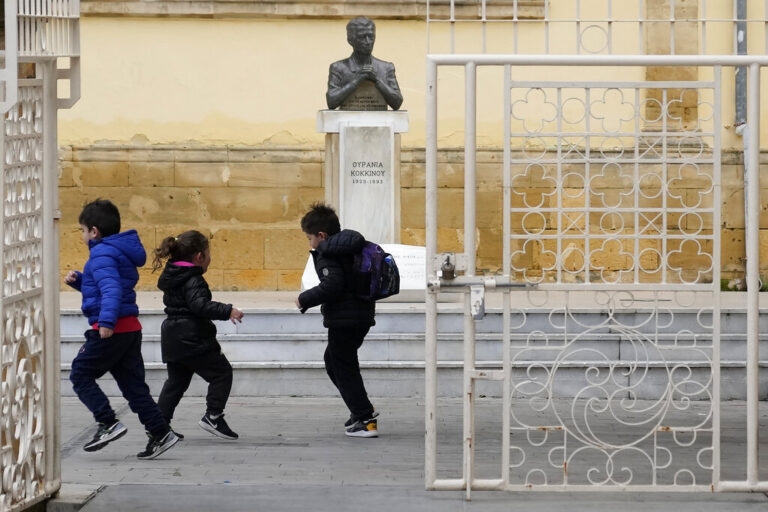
(361, 34)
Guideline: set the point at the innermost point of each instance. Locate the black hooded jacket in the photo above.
(188, 330)
(333, 264)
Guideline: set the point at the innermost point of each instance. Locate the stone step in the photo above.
(389, 379)
(410, 347)
(278, 351)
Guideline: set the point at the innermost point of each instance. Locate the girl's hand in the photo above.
(236, 316)
(71, 277)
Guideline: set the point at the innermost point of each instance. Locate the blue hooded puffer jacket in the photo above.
(108, 278)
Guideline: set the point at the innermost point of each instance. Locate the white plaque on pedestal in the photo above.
(411, 263)
(362, 169)
(366, 184)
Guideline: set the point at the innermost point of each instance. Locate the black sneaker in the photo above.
(217, 426)
(158, 445)
(363, 428)
(180, 436)
(105, 435)
(351, 421)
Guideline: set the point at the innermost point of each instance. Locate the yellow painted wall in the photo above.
(262, 81)
(246, 82)
(256, 81)
(210, 124)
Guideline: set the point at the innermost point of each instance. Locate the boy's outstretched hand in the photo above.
(236, 316)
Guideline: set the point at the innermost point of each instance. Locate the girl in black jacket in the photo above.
(188, 335)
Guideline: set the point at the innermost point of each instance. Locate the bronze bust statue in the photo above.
(362, 82)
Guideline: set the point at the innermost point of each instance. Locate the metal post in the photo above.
(672, 28)
(716, 327)
(740, 94)
(740, 48)
(52, 350)
(506, 263)
(752, 229)
(430, 348)
(469, 250)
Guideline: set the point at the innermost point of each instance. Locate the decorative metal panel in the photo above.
(610, 183)
(42, 35)
(22, 401)
(625, 398)
(614, 202)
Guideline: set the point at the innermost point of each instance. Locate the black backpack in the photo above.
(375, 273)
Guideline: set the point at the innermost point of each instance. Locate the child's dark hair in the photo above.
(179, 248)
(320, 218)
(101, 214)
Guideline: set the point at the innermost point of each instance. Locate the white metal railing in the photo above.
(49, 28)
(592, 26)
(41, 34)
(563, 214)
(8, 58)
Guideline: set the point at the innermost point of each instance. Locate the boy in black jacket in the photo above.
(347, 317)
(188, 336)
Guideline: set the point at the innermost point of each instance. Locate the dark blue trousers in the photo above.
(120, 355)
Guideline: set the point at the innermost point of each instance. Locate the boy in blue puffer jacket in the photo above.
(114, 343)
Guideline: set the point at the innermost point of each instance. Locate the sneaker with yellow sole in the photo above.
(363, 428)
(352, 420)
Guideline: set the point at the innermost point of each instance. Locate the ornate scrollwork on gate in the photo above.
(612, 205)
(622, 400)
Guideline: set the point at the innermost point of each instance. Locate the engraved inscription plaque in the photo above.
(365, 97)
(367, 183)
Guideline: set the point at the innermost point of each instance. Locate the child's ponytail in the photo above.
(163, 252)
(179, 248)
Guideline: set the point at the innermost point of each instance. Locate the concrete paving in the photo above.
(292, 455)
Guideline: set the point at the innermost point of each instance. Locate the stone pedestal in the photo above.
(362, 181)
(362, 169)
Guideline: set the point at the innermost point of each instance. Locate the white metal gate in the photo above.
(602, 211)
(38, 34)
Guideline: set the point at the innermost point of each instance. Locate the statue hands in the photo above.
(366, 72)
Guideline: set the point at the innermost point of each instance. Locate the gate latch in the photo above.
(449, 263)
(477, 301)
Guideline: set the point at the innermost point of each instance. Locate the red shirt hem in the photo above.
(124, 324)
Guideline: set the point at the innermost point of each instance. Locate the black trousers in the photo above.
(120, 355)
(212, 366)
(343, 368)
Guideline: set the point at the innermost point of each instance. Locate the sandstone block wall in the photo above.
(249, 200)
